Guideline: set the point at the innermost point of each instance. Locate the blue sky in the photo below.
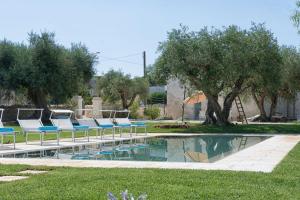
(123, 29)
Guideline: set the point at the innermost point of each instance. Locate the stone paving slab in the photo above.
(12, 178)
(32, 172)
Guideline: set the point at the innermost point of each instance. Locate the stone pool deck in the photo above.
(262, 157)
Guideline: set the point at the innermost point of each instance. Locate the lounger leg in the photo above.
(41, 138)
(103, 132)
(113, 132)
(97, 133)
(26, 137)
(131, 131)
(88, 136)
(73, 138)
(2, 139)
(14, 140)
(146, 131)
(57, 137)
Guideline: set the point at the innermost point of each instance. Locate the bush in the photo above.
(157, 98)
(152, 112)
(134, 108)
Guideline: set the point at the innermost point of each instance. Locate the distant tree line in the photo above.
(45, 70)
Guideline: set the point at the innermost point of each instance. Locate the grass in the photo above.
(241, 128)
(92, 183)
(194, 128)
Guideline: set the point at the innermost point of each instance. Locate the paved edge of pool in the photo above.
(262, 157)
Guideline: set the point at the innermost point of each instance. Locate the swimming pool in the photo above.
(204, 148)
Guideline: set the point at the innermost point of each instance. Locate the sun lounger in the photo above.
(62, 119)
(35, 125)
(5, 131)
(105, 122)
(121, 119)
(85, 118)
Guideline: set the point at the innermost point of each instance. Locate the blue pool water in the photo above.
(208, 148)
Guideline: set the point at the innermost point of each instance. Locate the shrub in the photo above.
(152, 112)
(134, 108)
(157, 98)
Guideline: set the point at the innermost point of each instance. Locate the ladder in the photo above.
(243, 143)
(240, 109)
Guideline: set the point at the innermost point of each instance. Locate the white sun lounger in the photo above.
(105, 122)
(6, 131)
(36, 125)
(89, 121)
(65, 124)
(124, 122)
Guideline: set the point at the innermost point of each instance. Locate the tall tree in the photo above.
(115, 86)
(218, 62)
(48, 71)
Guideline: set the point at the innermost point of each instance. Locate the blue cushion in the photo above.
(106, 125)
(83, 127)
(124, 125)
(104, 153)
(139, 124)
(48, 128)
(6, 130)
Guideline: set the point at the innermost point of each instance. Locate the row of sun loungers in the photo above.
(62, 121)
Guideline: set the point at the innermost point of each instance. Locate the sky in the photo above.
(122, 29)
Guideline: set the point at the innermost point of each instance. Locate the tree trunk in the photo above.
(132, 100)
(260, 102)
(274, 99)
(124, 101)
(221, 119)
(38, 98)
(209, 114)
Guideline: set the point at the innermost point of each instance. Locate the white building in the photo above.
(175, 96)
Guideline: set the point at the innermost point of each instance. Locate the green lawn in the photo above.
(194, 128)
(241, 128)
(92, 183)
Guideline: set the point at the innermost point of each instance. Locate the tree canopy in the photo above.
(48, 71)
(220, 62)
(296, 16)
(115, 86)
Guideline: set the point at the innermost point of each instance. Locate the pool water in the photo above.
(209, 148)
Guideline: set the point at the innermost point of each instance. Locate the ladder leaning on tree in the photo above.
(242, 116)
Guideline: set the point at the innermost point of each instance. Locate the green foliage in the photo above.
(47, 70)
(154, 76)
(115, 86)
(152, 112)
(134, 108)
(157, 98)
(296, 16)
(218, 62)
(290, 68)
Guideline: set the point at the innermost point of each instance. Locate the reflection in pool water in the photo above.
(208, 148)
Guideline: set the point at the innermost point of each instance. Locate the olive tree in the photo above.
(218, 62)
(115, 86)
(48, 71)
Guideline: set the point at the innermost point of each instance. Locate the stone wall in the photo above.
(175, 97)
